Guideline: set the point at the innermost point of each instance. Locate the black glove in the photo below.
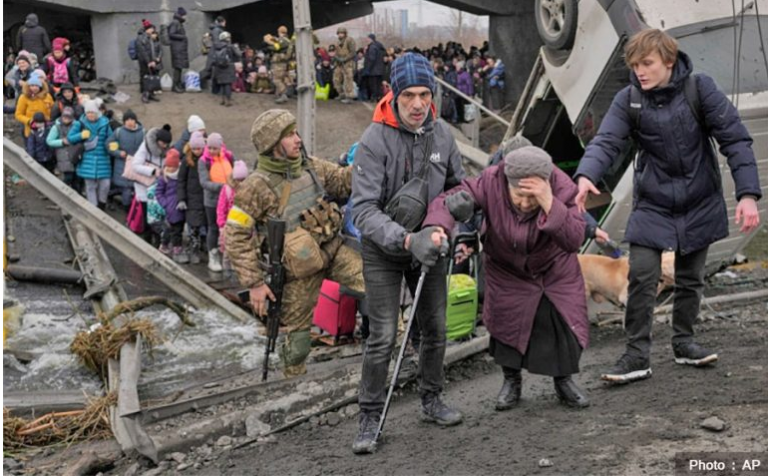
(461, 205)
(423, 249)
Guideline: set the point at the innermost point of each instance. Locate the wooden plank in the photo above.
(472, 154)
(128, 405)
(186, 285)
(41, 401)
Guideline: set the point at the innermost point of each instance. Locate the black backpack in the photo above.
(691, 91)
(221, 58)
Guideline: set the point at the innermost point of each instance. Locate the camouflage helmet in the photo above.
(268, 127)
(282, 30)
(341, 29)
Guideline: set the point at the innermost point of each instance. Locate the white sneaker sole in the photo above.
(697, 362)
(629, 377)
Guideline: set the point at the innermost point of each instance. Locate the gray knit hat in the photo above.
(513, 143)
(525, 162)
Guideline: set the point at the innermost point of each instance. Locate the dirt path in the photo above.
(634, 429)
(338, 125)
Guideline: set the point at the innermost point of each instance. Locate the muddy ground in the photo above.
(628, 430)
(338, 125)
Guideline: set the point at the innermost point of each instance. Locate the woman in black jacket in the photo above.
(179, 48)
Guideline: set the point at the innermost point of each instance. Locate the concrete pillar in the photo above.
(515, 40)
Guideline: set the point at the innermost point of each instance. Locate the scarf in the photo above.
(280, 166)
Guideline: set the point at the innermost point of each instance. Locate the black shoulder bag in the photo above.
(408, 206)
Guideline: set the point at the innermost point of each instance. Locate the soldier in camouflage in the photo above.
(287, 185)
(282, 52)
(344, 71)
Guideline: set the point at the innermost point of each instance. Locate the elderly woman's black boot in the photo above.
(509, 396)
(569, 393)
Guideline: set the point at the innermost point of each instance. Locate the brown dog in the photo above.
(608, 279)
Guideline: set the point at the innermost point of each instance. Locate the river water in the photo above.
(216, 347)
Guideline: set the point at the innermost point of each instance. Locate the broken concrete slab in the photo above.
(255, 427)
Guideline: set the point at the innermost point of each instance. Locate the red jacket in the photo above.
(525, 258)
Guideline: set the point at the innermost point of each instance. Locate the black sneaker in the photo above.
(691, 353)
(433, 410)
(365, 443)
(628, 369)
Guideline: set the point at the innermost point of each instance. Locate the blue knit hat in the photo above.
(411, 70)
(35, 80)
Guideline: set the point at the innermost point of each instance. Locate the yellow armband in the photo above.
(238, 217)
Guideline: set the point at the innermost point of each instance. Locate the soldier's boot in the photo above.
(282, 99)
(295, 370)
(294, 352)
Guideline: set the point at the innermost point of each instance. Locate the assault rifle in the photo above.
(276, 281)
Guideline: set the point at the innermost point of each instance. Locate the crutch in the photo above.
(401, 354)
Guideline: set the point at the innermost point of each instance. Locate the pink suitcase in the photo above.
(335, 312)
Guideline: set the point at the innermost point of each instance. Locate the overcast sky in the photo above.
(428, 13)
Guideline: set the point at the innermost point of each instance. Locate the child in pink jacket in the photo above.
(227, 197)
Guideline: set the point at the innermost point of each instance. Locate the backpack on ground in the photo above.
(165, 39)
(221, 58)
(133, 52)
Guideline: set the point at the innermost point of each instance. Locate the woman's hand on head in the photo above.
(539, 189)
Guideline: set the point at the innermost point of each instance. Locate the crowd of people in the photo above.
(78, 139)
(405, 210)
(344, 71)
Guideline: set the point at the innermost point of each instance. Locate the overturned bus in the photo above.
(581, 68)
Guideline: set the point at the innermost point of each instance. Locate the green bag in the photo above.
(322, 92)
(462, 302)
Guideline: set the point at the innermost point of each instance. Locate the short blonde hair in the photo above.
(647, 42)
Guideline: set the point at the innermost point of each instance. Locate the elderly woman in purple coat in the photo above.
(535, 306)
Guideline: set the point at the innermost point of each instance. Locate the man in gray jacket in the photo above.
(405, 141)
